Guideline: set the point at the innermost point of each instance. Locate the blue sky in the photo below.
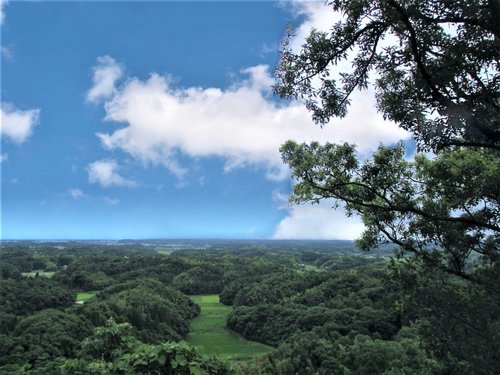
(156, 120)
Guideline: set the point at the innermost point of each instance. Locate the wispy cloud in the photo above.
(267, 48)
(111, 201)
(7, 53)
(17, 124)
(11, 181)
(105, 173)
(76, 193)
(106, 73)
(3, 3)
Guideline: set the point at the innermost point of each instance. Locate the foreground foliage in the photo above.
(113, 350)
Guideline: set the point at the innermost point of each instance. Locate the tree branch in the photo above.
(393, 208)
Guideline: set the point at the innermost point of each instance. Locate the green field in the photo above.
(40, 273)
(210, 335)
(84, 296)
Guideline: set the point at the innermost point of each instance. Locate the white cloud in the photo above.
(76, 193)
(3, 3)
(318, 221)
(244, 126)
(4, 157)
(105, 173)
(17, 124)
(240, 124)
(106, 73)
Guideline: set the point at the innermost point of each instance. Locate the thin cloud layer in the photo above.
(16, 124)
(76, 193)
(241, 124)
(111, 201)
(105, 173)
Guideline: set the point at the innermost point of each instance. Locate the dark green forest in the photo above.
(323, 312)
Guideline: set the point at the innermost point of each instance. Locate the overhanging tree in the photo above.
(434, 66)
(438, 78)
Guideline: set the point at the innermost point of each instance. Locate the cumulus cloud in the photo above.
(318, 221)
(17, 124)
(241, 124)
(105, 173)
(106, 73)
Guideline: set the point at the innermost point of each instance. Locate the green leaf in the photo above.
(174, 363)
(162, 358)
(195, 370)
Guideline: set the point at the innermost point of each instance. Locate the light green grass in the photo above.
(40, 273)
(165, 251)
(84, 296)
(210, 335)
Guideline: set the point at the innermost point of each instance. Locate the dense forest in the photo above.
(321, 312)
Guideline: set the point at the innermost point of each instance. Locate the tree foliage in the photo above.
(445, 210)
(444, 87)
(439, 78)
(113, 350)
(156, 311)
(435, 70)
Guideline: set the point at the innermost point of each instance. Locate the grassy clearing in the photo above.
(84, 296)
(165, 251)
(40, 273)
(210, 335)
